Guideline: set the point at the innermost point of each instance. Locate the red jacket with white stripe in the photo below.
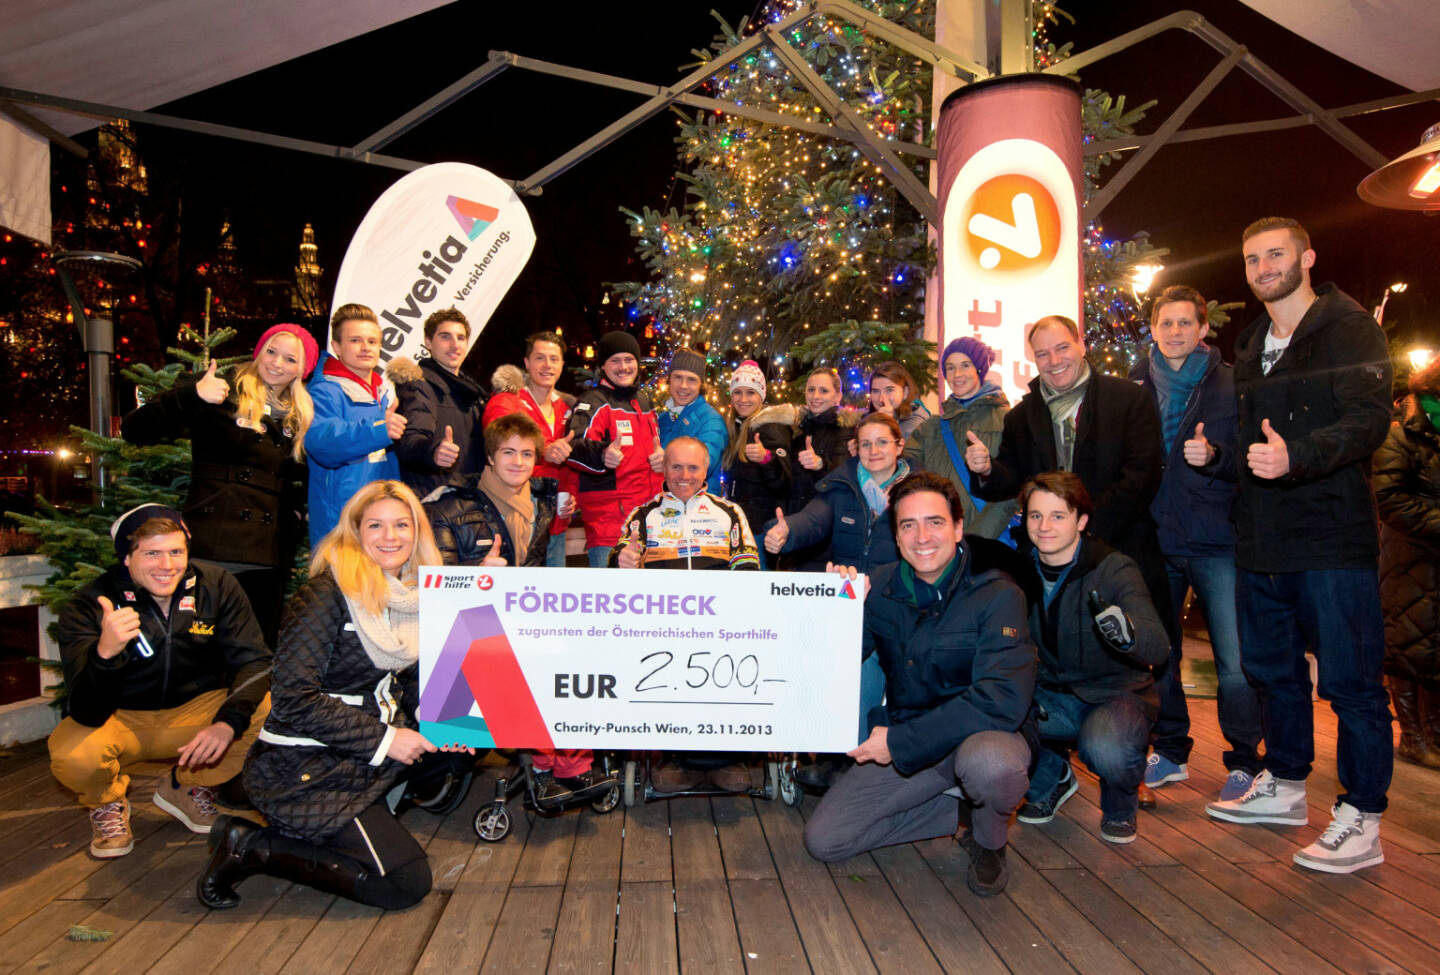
(605, 415)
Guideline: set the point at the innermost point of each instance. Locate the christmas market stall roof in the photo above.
(140, 54)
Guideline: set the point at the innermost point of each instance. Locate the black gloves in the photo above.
(1114, 626)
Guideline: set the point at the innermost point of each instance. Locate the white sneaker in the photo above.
(1268, 800)
(1351, 842)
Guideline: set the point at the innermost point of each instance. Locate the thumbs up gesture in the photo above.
(808, 458)
(778, 534)
(1270, 459)
(494, 557)
(977, 455)
(210, 387)
(117, 628)
(447, 451)
(632, 556)
(613, 455)
(558, 451)
(657, 457)
(756, 452)
(395, 422)
(1197, 449)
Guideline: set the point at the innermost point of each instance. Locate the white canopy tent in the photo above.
(1399, 40)
(125, 56)
(140, 54)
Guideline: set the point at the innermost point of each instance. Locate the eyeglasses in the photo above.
(876, 444)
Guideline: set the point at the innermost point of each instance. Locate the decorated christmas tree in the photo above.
(773, 236)
(77, 542)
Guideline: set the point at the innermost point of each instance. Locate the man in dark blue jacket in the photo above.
(960, 670)
(1195, 394)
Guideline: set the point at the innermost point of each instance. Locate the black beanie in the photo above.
(122, 528)
(613, 343)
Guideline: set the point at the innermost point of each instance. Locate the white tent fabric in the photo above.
(143, 53)
(24, 181)
(1399, 40)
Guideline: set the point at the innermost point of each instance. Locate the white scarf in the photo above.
(391, 641)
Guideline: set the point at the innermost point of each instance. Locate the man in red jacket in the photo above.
(616, 447)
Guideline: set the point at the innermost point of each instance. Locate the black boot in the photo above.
(1429, 711)
(231, 861)
(1405, 695)
(240, 849)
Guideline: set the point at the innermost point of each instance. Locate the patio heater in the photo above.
(98, 337)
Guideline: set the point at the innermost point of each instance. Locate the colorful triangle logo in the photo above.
(473, 217)
(847, 591)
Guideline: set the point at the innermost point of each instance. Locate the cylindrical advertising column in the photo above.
(1010, 185)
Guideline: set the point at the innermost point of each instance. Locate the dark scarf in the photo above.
(922, 594)
(1173, 387)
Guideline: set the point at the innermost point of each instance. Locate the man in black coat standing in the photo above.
(960, 670)
(442, 406)
(1313, 378)
(1105, 429)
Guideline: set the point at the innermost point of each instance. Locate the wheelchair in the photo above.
(493, 820)
(779, 782)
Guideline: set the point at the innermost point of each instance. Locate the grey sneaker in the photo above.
(195, 807)
(1351, 842)
(1268, 800)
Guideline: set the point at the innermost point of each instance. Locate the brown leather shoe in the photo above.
(1147, 797)
(674, 777)
(731, 778)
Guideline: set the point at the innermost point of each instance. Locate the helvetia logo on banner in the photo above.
(473, 217)
(445, 234)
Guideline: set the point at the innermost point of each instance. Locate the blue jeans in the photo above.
(1335, 614)
(599, 556)
(1213, 579)
(555, 551)
(1112, 740)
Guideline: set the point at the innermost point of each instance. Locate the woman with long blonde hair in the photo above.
(341, 732)
(247, 471)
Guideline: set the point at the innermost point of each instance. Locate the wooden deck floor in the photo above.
(724, 885)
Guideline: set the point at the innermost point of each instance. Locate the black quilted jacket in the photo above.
(466, 521)
(247, 493)
(1407, 486)
(324, 689)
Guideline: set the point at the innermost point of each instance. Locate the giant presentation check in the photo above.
(576, 658)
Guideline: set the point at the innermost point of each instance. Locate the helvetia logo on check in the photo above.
(845, 590)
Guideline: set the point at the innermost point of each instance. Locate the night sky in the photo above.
(1192, 198)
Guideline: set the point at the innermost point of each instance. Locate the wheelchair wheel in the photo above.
(608, 801)
(789, 790)
(631, 784)
(492, 822)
